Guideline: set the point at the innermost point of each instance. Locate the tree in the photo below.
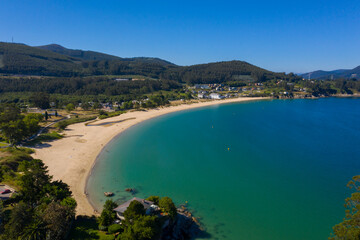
(57, 190)
(41, 100)
(21, 215)
(34, 180)
(134, 210)
(46, 115)
(31, 122)
(15, 127)
(114, 228)
(108, 215)
(69, 202)
(143, 228)
(13, 131)
(96, 106)
(168, 206)
(349, 229)
(154, 199)
(85, 106)
(57, 219)
(56, 113)
(35, 230)
(70, 107)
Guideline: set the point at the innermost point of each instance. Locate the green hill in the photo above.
(84, 55)
(219, 72)
(55, 60)
(97, 56)
(22, 59)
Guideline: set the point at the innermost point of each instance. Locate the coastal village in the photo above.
(213, 91)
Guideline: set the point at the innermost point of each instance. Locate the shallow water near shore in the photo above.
(256, 170)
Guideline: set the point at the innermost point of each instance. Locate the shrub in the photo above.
(115, 228)
(168, 206)
(154, 199)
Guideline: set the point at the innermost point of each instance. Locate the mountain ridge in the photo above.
(56, 60)
(89, 55)
(333, 74)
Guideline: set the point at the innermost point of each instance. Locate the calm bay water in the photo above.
(258, 170)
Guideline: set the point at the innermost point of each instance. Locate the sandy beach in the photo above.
(71, 158)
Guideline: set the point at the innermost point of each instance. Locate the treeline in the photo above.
(84, 86)
(21, 59)
(221, 72)
(317, 88)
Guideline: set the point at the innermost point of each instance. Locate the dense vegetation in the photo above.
(42, 209)
(137, 225)
(23, 59)
(54, 60)
(220, 72)
(84, 86)
(14, 126)
(349, 229)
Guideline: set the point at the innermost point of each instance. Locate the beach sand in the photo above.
(71, 158)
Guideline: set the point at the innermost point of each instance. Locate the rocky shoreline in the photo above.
(309, 96)
(185, 226)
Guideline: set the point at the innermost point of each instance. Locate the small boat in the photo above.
(108, 194)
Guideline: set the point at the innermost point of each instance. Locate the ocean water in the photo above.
(273, 169)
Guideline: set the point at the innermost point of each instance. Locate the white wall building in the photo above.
(215, 96)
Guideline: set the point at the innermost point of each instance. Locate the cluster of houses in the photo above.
(216, 90)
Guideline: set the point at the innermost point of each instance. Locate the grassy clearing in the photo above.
(104, 115)
(45, 137)
(63, 124)
(87, 228)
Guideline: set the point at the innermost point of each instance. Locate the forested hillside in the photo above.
(22, 59)
(25, 60)
(220, 72)
(84, 55)
(55, 60)
(97, 56)
(84, 85)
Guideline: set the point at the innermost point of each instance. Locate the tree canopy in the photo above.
(349, 229)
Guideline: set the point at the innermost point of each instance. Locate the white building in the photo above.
(215, 96)
(148, 205)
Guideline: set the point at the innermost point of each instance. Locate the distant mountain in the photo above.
(335, 74)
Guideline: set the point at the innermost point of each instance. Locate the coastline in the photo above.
(72, 158)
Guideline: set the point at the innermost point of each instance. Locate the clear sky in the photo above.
(291, 36)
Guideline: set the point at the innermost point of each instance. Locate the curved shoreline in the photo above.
(86, 144)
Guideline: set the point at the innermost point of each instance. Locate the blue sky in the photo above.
(290, 36)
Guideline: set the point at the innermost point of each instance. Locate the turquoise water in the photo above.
(258, 170)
